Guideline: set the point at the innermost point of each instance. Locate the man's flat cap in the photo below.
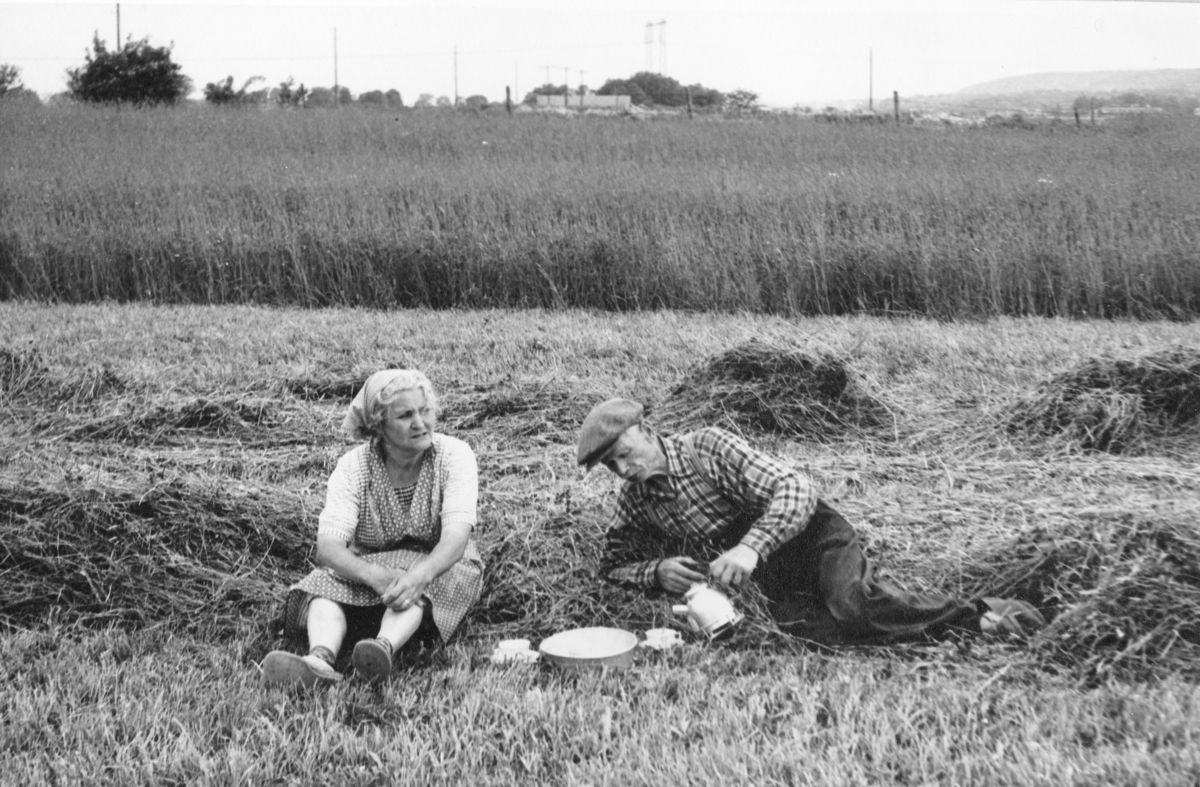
(603, 426)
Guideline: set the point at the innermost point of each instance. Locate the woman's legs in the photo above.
(326, 624)
(398, 627)
(372, 658)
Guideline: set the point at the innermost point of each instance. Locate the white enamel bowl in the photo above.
(590, 647)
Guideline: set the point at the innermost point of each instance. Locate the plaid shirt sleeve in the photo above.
(757, 480)
(627, 544)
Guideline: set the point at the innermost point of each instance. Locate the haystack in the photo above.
(775, 387)
(1123, 590)
(200, 556)
(1118, 406)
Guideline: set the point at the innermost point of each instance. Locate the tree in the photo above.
(742, 100)
(320, 97)
(475, 102)
(425, 100)
(288, 97)
(443, 102)
(11, 87)
(646, 88)
(706, 97)
(223, 92)
(393, 99)
(10, 78)
(137, 73)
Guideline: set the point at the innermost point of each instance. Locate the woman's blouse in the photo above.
(360, 492)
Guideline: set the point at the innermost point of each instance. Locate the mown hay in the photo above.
(21, 371)
(253, 421)
(1123, 590)
(201, 557)
(24, 374)
(1118, 406)
(775, 387)
(339, 385)
(542, 577)
(516, 409)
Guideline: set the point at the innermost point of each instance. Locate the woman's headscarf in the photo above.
(365, 414)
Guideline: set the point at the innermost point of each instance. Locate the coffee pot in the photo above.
(708, 611)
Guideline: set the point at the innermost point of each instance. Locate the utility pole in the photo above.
(566, 86)
(118, 25)
(871, 80)
(581, 73)
(662, 47)
(337, 96)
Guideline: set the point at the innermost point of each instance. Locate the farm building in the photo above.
(586, 101)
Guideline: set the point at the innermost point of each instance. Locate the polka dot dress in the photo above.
(398, 527)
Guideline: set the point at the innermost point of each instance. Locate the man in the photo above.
(706, 505)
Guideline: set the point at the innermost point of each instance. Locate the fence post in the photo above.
(508, 99)
(689, 99)
(896, 104)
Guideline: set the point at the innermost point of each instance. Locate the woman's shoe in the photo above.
(372, 658)
(281, 667)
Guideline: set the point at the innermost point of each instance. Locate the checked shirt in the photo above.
(687, 513)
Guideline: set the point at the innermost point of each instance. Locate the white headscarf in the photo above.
(361, 420)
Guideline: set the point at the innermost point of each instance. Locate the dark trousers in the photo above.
(821, 587)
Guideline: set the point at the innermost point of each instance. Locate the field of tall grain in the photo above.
(162, 468)
(456, 209)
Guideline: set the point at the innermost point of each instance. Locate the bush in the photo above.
(137, 73)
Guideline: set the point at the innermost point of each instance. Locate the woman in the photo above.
(395, 531)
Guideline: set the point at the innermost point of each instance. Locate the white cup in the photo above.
(663, 638)
(513, 645)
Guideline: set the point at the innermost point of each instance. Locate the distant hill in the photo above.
(1167, 80)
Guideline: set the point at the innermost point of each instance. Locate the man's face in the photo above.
(635, 456)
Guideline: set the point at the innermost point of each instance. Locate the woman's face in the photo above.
(408, 424)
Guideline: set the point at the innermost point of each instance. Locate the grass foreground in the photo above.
(161, 469)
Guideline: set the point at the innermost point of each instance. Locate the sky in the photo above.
(790, 52)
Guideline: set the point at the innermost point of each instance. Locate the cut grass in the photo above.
(190, 538)
(1117, 405)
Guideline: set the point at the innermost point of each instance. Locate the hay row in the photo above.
(766, 386)
(1124, 590)
(25, 376)
(192, 554)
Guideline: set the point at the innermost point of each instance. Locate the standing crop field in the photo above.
(453, 209)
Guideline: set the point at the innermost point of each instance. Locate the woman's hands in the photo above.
(406, 589)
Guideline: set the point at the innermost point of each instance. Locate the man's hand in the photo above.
(735, 566)
(677, 574)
